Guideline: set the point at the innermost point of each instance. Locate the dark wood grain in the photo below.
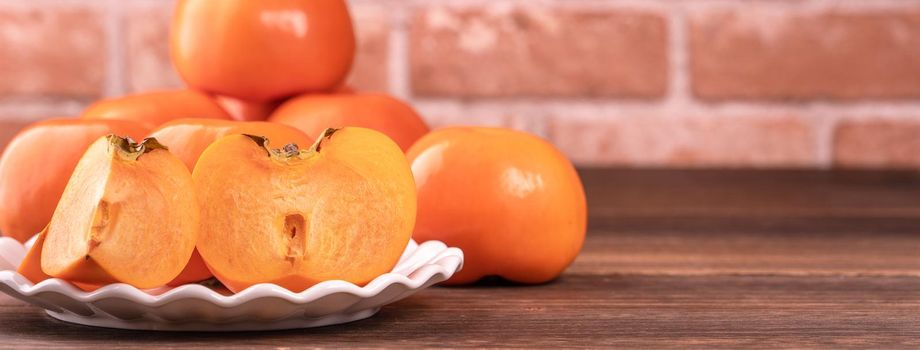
(673, 259)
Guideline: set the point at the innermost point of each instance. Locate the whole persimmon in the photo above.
(156, 108)
(510, 200)
(188, 138)
(314, 113)
(38, 162)
(262, 50)
(129, 214)
(341, 209)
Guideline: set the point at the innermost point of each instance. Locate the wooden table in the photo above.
(702, 259)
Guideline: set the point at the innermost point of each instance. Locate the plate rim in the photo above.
(445, 262)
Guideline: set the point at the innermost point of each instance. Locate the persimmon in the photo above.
(187, 138)
(31, 266)
(342, 209)
(129, 214)
(263, 50)
(243, 110)
(510, 200)
(156, 108)
(314, 113)
(38, 162)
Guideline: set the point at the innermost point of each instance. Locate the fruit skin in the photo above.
(37, 163)
(342, 209)
(129, 214)
(262, 50)
(247, 111)
(195, 271)
(314, 113)
(156, 108)
(510, 200)
(31, 267)
(188, 138)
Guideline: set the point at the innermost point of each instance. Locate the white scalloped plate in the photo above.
(199, 308)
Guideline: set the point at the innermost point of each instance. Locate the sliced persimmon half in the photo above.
(128, 214)
(188, 138)
(343, 209)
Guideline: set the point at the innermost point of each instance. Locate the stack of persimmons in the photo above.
(266, 169)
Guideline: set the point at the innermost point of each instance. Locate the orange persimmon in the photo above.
(187, 138)
(38, 162)
(129, 214)
(342, 209)
(314, 113)
(262, 50)
(156, 108)
(510, 200)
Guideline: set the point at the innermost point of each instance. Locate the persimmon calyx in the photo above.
(128, 149)
(292, 150)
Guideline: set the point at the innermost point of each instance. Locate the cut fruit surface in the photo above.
(187, 138)
(343, 209)
(129, 214)
(31, 266)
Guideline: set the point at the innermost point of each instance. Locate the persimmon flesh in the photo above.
(343, 209)
(187, 138)
(129, 214)
(31, 266)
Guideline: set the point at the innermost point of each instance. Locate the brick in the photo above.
(688, 141)
(761, 52)
(439, 117)
(147, 62)
(537, 51)
(52, 51)
(877, 143)
(372, 31)
(524, 116)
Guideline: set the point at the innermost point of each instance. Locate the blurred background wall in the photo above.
(655, 83)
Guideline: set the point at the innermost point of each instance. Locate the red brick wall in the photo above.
(662, 83)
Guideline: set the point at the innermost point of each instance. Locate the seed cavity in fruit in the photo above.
(102, 218)
(295, 235)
